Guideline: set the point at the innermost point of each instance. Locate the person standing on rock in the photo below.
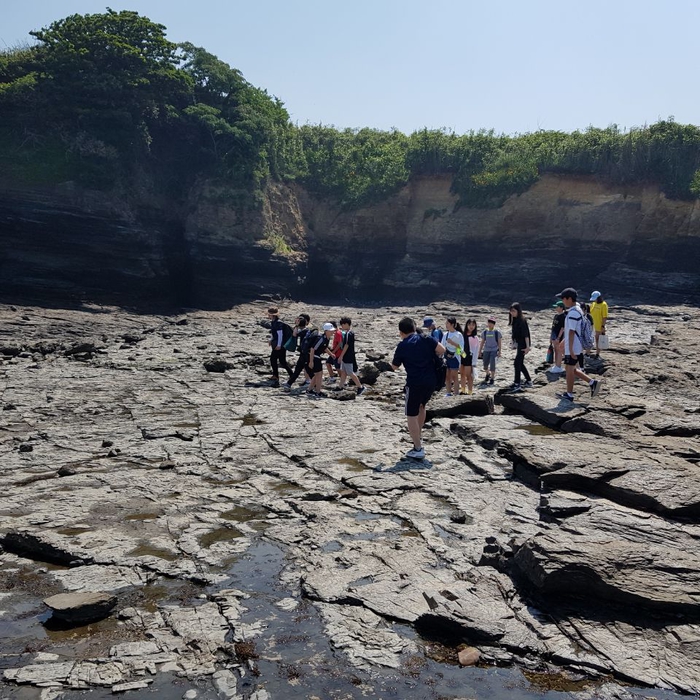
(470, 357)
(279, 334)
(490, 350)
(416, 353)
(453, 340)
(599, 313)
(573, 347)
(433, 330)
(557, 337)
(521, 344)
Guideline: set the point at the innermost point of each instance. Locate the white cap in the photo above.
(328, 327)
(594, 296)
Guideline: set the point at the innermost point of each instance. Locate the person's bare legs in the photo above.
(462, 378)
(572, 373)
(415, 426)
(470, 378)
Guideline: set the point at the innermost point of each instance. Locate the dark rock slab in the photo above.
(451, 406)
(563, 565)
(544, 408)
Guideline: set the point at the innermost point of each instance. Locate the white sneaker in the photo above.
(556, 370)
(416, 453)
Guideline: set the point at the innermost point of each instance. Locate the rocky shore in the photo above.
(247, 543)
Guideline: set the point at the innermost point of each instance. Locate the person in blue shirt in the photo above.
(432, 329)
(416, 353)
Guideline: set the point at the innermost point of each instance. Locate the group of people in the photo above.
(460, 347)
(336, 341)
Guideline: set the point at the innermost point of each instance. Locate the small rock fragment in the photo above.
(469, 656)
(81, 608)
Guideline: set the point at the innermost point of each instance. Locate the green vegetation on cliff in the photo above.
(106, 98)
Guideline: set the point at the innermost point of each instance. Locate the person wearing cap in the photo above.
(490, 350)
(557, 336)
(417, 354)
(573, 347)
(433, 330)
(599, 314)
(315, 363)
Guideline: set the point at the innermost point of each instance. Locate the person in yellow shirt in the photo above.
(599, 313)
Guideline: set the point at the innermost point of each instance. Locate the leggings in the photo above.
(519, 366)
(281, 357)
(302, 364)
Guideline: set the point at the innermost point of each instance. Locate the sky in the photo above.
(514, 66)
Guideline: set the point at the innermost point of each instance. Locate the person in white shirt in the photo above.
(573, 348)
(453, 340)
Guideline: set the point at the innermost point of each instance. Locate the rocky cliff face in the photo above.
(564, 230)
(214, 249)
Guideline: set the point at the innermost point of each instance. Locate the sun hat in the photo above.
(490, 319)
(428, 322)
(328, 327)
(558, 305)
(594, 296)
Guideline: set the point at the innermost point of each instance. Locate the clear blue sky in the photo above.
(510, 65)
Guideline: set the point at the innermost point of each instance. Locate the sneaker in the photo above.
(565, 395)
(286, 386)
(416, 453)
(449, 394)
(514, 389)
(274, 382)
(595, 387)
(306, 382)
(361, 390)
(556, 370)
(528, 384)
(491, 381)
(331, 380)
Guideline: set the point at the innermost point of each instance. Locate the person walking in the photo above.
(416, 353)
(279, 334)
(470, 357)
(520, 334)
(573, 347)
(599, 313)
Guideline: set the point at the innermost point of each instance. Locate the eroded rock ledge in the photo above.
(222, 513)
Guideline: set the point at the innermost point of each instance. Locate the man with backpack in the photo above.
(302, 331)
(416, 353)
(280, 333)
(577, 336)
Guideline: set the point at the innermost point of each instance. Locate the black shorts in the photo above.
(318, 365)
(417, 396)
(573, 361)
(332, 361)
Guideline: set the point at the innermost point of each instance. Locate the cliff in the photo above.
(63, 242)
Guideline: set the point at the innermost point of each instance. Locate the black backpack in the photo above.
(286, 331)
(309, 340)
(440, 371)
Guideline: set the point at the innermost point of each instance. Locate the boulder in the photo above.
(80, 608)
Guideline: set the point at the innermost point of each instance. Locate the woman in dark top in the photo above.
(521, 343)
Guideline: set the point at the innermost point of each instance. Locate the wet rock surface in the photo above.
(265, 544)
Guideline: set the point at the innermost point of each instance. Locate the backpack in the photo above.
(440, 371)
(287, 331)
(586, 335)
(309, 340)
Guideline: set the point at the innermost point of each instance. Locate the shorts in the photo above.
(332, 361)
(318, 365)
(417, 396)
(453, 362)
(489, 357)
(573, 361)
(348, 367)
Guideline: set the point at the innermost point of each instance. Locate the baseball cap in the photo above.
(490, 319)
(427, 322)
(558, 305)
(328, 327)
(594, 296)
(569, 292)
